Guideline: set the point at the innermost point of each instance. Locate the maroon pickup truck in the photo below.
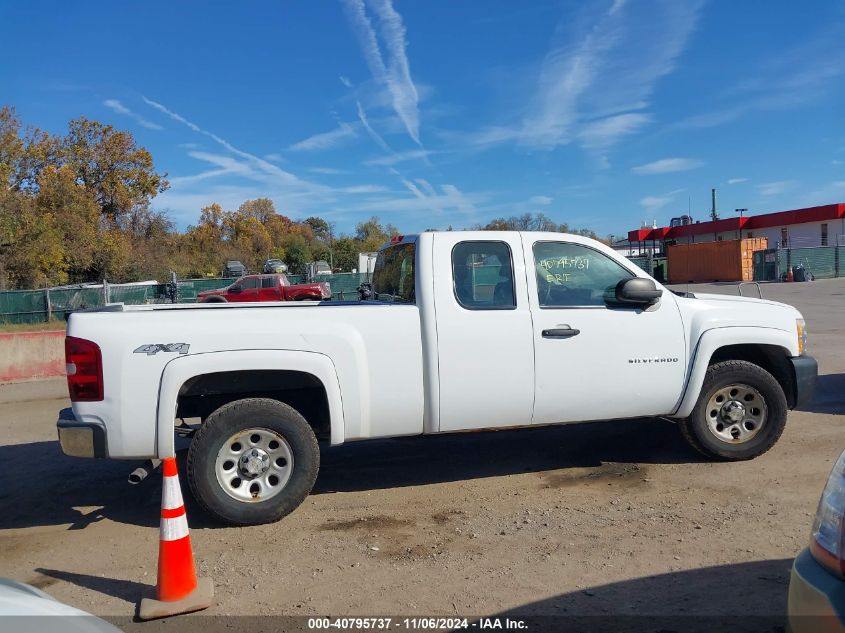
(275, 287)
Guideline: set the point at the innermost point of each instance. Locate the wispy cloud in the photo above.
(394, 74)
(363, 189)
(329, 171)
(266, 168)
(274, 156)
(325, 140)
(655, 203)
(445, 199)
(606, 132)
(775, 188)
(117, 106)
(736, 181)
(599, 75)
(400, 157)
(345, 81)
(362, 116)
(541, 200)
(667, 166)
(245, 175)
(799, 75)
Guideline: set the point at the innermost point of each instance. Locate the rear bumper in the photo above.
(805, 369)
(80, 439)
(816, 600)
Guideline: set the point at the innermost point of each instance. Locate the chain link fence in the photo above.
(41, 306)
(773, 264)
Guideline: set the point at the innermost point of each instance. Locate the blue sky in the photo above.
(428, 114)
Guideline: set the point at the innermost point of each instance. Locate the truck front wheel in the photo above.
(253, 461)
(740, 413)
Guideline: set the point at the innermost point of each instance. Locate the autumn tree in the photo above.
(372, 234)
(31, 243)
(322, 230)
(76, 212)
(109, 163)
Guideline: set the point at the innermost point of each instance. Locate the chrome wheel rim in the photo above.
(736, 413)
(254, 465)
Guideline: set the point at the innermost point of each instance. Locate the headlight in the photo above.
(802, 334)
(827, 540)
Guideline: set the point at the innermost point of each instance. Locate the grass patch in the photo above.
(53, 325)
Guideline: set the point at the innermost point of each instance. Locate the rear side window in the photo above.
(393, 274)
(268, 282)
(483, 275)
(570, 275)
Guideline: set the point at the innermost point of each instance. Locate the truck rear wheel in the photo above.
(253, 461)
(740, 413)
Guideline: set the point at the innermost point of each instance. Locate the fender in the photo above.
(180, 369)
(715, 338)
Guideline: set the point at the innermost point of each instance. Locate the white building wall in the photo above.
(798, 235)
(804, 234)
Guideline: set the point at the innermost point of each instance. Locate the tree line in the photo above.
(77, 208)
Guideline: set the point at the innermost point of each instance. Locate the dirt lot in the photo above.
(603, 518)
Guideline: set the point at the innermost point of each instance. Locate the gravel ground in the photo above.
(601, 518)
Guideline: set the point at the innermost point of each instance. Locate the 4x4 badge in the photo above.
(155, 348)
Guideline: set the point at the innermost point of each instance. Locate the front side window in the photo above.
(247, 283)
(570, 275)
(393, 273)
(483, 275)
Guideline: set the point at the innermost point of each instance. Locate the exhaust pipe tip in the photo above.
(140, 474)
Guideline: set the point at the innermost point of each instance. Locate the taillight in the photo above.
(827, 540)
(326, 290)
(84, 370)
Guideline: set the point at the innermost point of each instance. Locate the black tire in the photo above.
(214, 299)
(228, 420)
(697, 431)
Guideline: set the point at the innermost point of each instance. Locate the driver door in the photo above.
(247, 290)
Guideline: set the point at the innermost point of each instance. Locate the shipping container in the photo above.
(723, 260)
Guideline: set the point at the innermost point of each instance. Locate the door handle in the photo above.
(564, 332)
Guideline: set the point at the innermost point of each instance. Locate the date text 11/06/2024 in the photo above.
(436, 624)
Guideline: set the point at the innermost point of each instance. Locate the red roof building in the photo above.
(814, 226)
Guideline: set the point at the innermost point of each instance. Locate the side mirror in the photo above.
(236, 289)
(637, 291)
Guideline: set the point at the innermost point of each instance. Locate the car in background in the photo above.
(274, 287)
(234, 268)
(817, 584)
(320, 267)
(275, 266)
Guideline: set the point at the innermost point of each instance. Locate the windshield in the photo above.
(393, 274)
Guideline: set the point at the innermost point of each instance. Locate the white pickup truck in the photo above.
(464, 331)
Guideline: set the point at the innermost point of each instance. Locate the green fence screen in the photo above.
(39, 306)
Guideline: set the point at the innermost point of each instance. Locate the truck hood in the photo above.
(714, 310)
(739, 299)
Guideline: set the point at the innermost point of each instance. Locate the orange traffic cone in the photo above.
(178, 589)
